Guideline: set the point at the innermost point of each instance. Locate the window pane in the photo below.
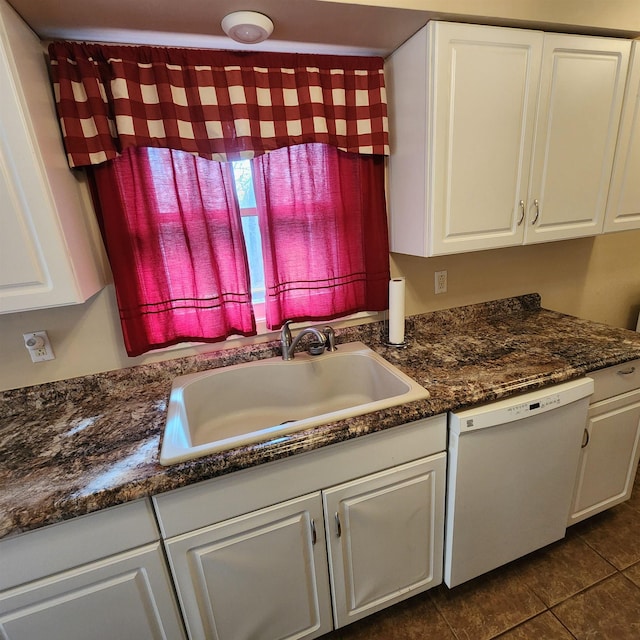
(244, 184)
(253, 243)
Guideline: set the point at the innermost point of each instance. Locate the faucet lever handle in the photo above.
(285, 333)
(331, 338)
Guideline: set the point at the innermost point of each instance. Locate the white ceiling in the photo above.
(343, 26)
(300, 25)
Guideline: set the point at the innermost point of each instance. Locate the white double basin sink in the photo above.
(229, 407)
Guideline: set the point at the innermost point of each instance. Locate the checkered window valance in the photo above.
(220, 105)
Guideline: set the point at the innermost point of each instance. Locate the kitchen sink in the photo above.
(225, 408)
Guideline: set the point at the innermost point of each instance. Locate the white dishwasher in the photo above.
(512, 469)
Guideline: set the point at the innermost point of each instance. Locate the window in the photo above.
(186, 254)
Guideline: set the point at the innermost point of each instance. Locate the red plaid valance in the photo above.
(220, 105)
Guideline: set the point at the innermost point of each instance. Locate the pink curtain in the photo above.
(173, 234)
(324, 232)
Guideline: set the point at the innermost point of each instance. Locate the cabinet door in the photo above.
(125, 596)
(462, 111)
(623, 206)
(609, 456)
(485, 83)
(581, 89)
(46, 254)
(385, 537)
(262, 575)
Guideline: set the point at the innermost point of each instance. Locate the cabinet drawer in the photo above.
(613, 381)
(36, 554)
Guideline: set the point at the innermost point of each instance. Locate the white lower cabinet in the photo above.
(384, 537)
(282, 551)
(262, 575)
(611, 444)
(124, 596)
(50, 589)
(364, 531)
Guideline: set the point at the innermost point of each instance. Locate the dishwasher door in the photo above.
(512, 469)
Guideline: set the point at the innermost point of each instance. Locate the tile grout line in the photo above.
(441, 613)
(609, 562)
(564, 626)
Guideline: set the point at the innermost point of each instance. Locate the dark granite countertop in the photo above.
(76, 446)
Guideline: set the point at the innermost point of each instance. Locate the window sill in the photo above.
(265, 335)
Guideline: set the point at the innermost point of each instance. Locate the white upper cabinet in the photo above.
(461, 140)
(500, 136)
(580, 101)
(623, 206)
(46, 256)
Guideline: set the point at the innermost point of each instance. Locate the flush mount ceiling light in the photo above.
(248, 27)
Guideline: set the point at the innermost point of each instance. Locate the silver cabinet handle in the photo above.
(338, 525)
(626, 372)
(536, 204)
(314, 535)
(585, 439)
(522, 214)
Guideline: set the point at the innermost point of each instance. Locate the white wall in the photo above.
(595, 278)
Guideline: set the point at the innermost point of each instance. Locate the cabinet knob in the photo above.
(536, 204)
(522, 214)
(585, 439)
(338, 525)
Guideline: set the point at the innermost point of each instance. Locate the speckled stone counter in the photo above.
(73, 447)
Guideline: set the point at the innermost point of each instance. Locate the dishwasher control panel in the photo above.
(526, 408)
(519, 407)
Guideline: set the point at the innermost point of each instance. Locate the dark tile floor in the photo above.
(585, 587)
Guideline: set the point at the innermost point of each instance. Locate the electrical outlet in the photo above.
(440, 282)
(38, 346)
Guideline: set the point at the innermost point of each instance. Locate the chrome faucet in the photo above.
(288, 344)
